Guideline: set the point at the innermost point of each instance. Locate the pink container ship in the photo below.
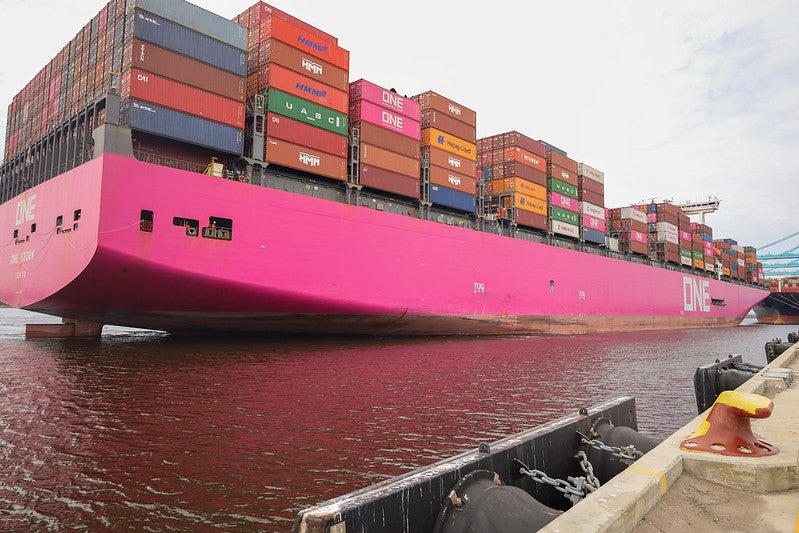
(128, 212)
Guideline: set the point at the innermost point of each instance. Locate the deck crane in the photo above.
(700, 207)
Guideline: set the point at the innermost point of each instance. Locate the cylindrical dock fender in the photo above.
(480, 503)
(605, 463)
(775, 348)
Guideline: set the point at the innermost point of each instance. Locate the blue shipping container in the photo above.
(198, 19)
(175, 125)
(487, 173)
(595, 236)
(452, 198)
(167, 34)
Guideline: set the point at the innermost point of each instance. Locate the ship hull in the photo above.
(299, 264)
(778, 308)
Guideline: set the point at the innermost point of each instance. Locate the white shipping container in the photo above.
(666, 237)
(633, 213)
(667, 227)
(570, 230)
(592, 210)
(590, 172)
(689, 261)
(612, 243)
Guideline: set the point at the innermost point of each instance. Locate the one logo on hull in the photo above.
(695, 295)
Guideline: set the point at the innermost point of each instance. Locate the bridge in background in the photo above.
(780, 264)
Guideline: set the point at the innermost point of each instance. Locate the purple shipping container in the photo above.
(361, 110)
(189, 128)
(167, 34)
(385, 98)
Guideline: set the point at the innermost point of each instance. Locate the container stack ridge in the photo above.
(591, 195)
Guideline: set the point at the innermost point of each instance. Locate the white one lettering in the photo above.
(695, 295)
(392, 99)
(25, 210)
(391, 119)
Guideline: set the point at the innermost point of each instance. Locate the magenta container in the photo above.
(593, 223)
(386, 98)
(361, 110)
(685, 235)
(564, 202)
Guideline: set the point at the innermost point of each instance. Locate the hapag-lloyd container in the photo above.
(526, 203)
(590, 172)
(307, 112)
(379, 157)
(306, 41)
(451, 198)
(294, 83)
(450, 143)
(528, 188)
(167, 34)
(385, 98)
(306, 159)
(444, 122)
(363, 111)
(300, 133)
(564, 228)
(562, 187)
(564, 202)
(592, 210)
(597, 224)
(275, 51)
(181, 97)
(564, 215)
(390, 140)
(205, 22)
(160, 61)
(188, 128)
(433, 100)
(445, 159)
(453, 180)
(385, 180)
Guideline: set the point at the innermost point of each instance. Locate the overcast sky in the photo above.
(676, 100)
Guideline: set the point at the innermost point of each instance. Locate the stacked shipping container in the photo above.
(388, 131)
(591, 194)
(448, 136)
(564, 212)
(629, 226)
(303, 75)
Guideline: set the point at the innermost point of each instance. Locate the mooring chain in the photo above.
(627, 454)
(574, 489)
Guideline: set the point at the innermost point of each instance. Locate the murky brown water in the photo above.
(140, 431)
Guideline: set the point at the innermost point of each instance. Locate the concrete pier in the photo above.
(670, 489)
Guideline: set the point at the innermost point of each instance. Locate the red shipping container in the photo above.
(178, 67)
(432, 100)
(451, 180)
(303, 158)
(262, 11)
(291, 82)
(444, 122)
(587, 184)
(453, 162)
(275, 51)
(385, 180)
(563, 174)
(526, 158)
(387, 139)
(560, 160)
(300, 133)
(380, 157)
(591, 197)
(181, 97)
(510, 169)
(304, 40)
(530, 219)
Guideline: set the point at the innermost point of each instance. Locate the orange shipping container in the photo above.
(382, 158)
(281, 78)
(283, 30)
(433, 118)
(455, 163)
(530, 159)
(451, 180)
(385, 138)
(304, 158)
(526, 203)
(519, 185)
(276, 51)
(432, 100)
(450, 143)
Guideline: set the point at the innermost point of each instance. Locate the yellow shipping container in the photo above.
(448, 142)
(526, 203)
(521, 185)
(698, 263)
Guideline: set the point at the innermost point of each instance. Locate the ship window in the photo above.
(59, 220)
(76, 215)
(33, 227)
(146, 220)
(191, 225)
(16, 233)
(552, 285)
(718, 301)
(219, 228)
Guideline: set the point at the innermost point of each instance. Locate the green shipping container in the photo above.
(307, 112)
(685, 252)
(563, 215)
(699, 254)
(562, 187)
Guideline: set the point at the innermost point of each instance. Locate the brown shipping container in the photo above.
(181, 68)
(303, 158)
(514, 153)
(380, 157)
(513, 169)
(297, 132)
(452, 180)
(514, 138)
(587, 184)
(617, 224)
(563, 174)
(444, 122)
(295, 59)
(432, 100)
(532, 220)
(385, 180)
(390, 140)
(455, 163)
(562, 161)
(591, 197)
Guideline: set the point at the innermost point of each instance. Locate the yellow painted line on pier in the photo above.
(657, 473)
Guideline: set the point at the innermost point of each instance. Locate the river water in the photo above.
(142, 431)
